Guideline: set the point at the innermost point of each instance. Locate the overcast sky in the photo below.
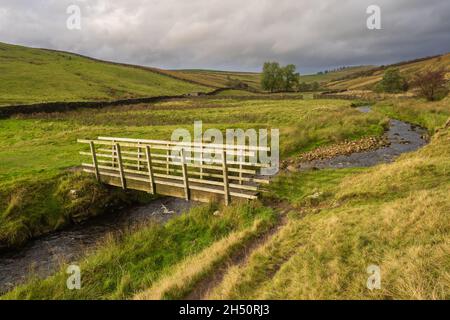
(233, 34)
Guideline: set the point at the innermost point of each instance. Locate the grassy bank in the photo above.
(122, 267)
(428, 115)
(38, 206)
(33, 75)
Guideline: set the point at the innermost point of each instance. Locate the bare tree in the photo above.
(431, 83)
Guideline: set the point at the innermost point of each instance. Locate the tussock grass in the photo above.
(188, 273)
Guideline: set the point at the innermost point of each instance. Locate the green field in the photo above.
(34, 75)
(38, 148)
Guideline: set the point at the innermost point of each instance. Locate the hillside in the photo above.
(221, 78)
(368, 79)
(218, 78)
(30, 75)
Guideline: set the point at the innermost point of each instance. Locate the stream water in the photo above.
(402, 137)
(43, 255)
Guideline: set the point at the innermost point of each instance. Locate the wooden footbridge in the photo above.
(198, 171)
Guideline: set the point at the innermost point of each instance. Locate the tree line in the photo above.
(430, 83)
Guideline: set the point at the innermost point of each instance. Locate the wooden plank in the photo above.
(171, 184)
(190, 172)
(226, 186)
(211, 167)
(94, 161)
(208, 149)
(180, 178)
(150, 170)
(119, 158)
(187, 144)
(168, 156)
(170, 191)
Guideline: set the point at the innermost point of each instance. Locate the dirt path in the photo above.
(239, 258)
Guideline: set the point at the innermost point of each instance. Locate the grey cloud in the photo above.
(232, 34)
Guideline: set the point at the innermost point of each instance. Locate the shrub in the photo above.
(431, 84)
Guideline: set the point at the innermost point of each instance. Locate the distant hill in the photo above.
(369, 78)
(218, 79)
(353, 77)
(29, 75)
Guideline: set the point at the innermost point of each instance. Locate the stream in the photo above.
(402, 137)
(42, 256)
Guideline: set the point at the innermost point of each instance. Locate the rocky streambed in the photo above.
(42, 256)
(400, 137)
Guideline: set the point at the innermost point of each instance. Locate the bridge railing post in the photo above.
(150, 169)
(168, 159)
(226, 185)
(139, 156)
(185, 175)
(119, 161)
(94, 160)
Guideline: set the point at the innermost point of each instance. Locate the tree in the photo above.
(392, 82)
(271, 76)
(304, 87)
(290, 77)
(431, 84)
(315, 86)
(277, 78)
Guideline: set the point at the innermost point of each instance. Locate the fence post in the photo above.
(94, 160)
(113, 154)
(185, 175)
(139, 156)
(240, 157)
(119, 158)
(201, 160)
(225, 178)
(168, 159)
(150, 170)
